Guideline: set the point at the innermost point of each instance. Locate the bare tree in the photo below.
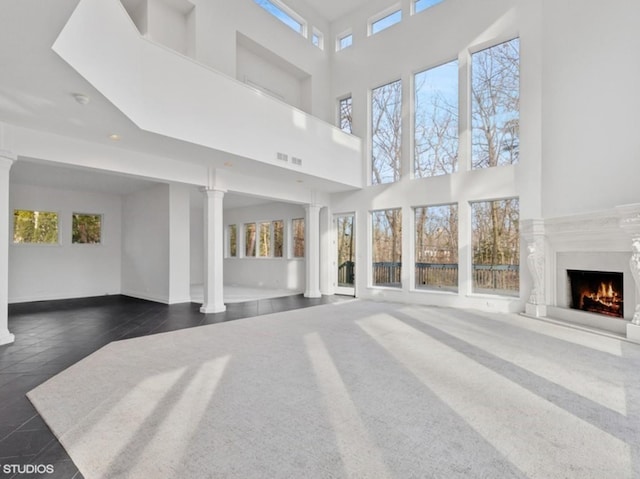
(386, 137)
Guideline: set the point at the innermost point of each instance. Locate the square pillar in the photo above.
(6, 161)
(213, 252)
(312, 251)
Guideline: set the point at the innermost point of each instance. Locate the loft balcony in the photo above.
(169, 94)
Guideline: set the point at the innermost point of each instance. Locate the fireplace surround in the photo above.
(607, 242)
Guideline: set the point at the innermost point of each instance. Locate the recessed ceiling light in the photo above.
(81, 98)
(114, 137)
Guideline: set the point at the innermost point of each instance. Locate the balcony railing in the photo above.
(502, 277)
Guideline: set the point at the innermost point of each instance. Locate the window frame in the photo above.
(343, 36)
(371, 228)
(387, 13)
(58, 241)
(342, 99)
(371, 135)
(100, 215)
(415, 9)
(315, 33)
(286, 11)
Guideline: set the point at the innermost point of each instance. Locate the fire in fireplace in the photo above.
(597, 292)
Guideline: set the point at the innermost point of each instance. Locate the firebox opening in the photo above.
(597, 292)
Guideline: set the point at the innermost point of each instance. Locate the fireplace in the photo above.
(596, 292)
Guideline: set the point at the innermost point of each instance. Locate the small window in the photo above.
(285, 15)
(344, 41)
(233, 241)
(317, 39)
(39, 227)
(298, 237)
(345, 114)
(86, 229)
(385, 22)
(420, 5)
(278, 238)
(250, 240)
(265, 240)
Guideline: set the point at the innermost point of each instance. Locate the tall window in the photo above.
(436, 121)
(420, 5)
(278, 238)
(386, 228)
(436, 247)
(496, 246)
(385, 22)
(35, 227)
(386, 133)
(297, 226)
(233, 241)
(285, 15)
(345, 113)
(250, 239)
(86, 229)
(265, 240)
(495, 109)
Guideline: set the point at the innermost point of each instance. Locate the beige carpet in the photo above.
(354, 390)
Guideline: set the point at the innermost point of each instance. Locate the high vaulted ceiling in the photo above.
(334, 9)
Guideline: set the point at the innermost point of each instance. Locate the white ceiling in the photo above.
(334, 9)
(36, 92)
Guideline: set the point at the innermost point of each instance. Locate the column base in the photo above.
(633, 332)
(209, 309)
(6, 338)
(537, 310)
(312, 294)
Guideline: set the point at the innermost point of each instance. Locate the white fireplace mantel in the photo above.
(605, 240)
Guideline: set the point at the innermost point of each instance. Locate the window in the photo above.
(265, 240)
(317, 39)
(250, 239)
(86, 229)
(495, 108)
(436, 247)
(386, 133)
(285, 15)
(297, 226)
(496, 246)
(436, 121)
(345, 40)
(35, 227)
(233, 241)
(345, 114)
(278, 238)
(420, 5)
(387, 247)
(385, 22)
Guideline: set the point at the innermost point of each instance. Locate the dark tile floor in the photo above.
(53, 335)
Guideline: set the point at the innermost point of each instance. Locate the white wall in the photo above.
(179, 244)
(591, 146)
(43, 272)
(280, 273)
(196, 245)
(145, 244)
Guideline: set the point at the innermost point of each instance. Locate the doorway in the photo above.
(345, 249)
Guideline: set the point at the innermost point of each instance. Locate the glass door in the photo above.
(345, 254)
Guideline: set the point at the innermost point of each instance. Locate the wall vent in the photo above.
(296, 161)
(282, 156)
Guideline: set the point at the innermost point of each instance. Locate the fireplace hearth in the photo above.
(598, 292)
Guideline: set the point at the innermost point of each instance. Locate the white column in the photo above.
(6, 161)
(533, 236)
(629, 220)
(312, 251)
(326, 251)
(213, 252)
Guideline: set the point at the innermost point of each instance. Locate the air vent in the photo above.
(296, 161)
(282, 156)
